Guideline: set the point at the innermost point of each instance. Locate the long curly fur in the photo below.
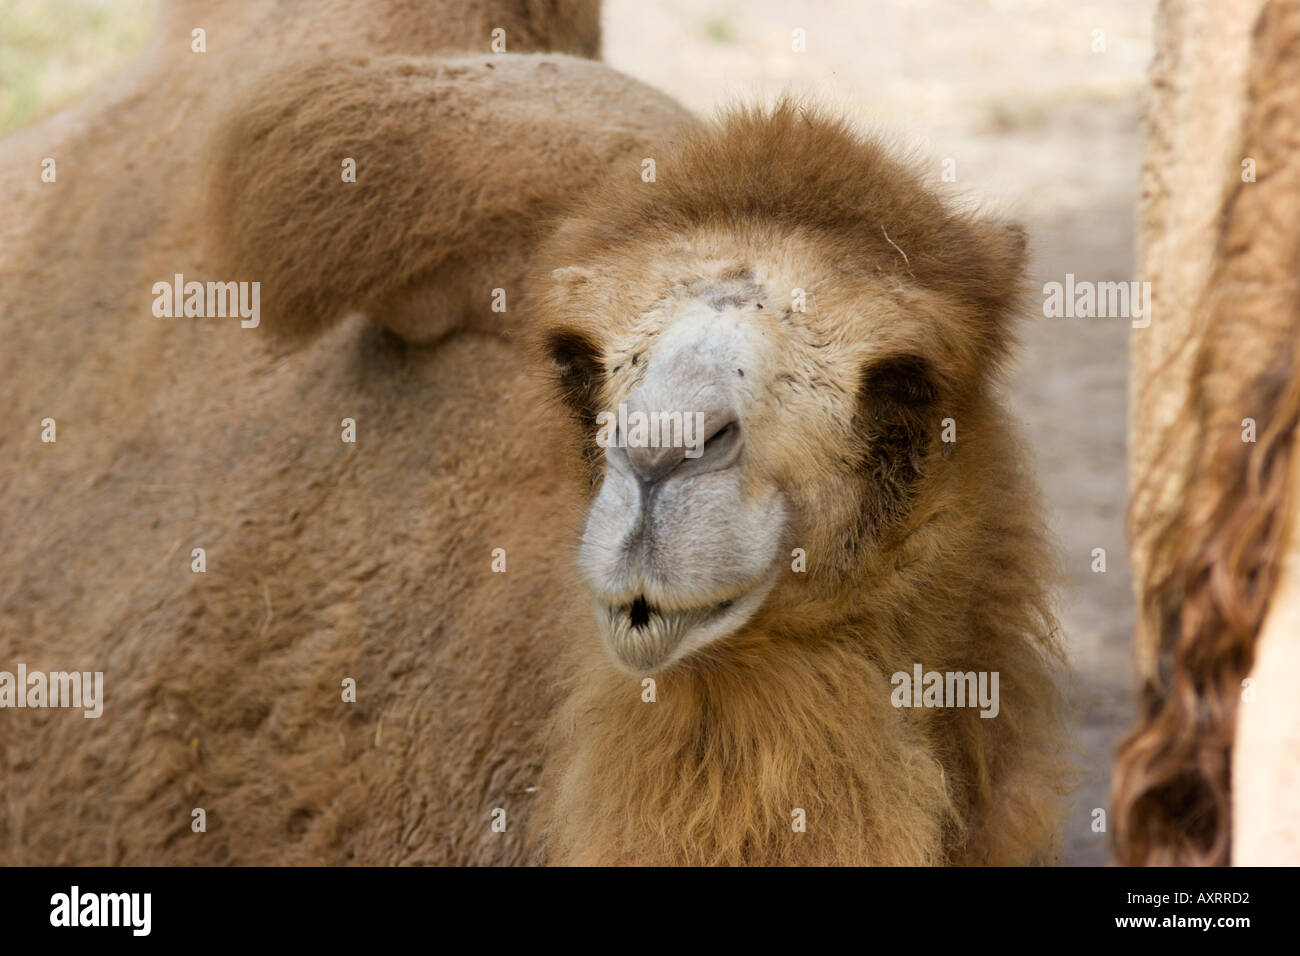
(1216, 553)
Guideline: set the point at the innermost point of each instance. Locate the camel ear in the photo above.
(1004, 255)
(987, 267)
(982, 263)
(1015, 241)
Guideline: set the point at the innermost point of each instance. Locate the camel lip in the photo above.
(640, 612)
(644, 637)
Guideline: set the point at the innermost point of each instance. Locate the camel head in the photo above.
(759, 349)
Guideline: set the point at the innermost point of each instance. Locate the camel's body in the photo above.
(1221, 255)
(373, 560)
(175, 434)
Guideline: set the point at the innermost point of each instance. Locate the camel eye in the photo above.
(578, 370)
(905, 380)
(895, 418)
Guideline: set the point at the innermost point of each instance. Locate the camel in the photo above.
(364, 586)
(1210, 773)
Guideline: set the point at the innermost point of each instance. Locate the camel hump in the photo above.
(412, 189)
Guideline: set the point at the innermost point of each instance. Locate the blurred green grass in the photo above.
(52, 51)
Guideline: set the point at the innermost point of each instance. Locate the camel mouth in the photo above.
(641, 613)
(645, 636)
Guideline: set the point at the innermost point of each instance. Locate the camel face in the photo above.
(746, 404)
(766, 362)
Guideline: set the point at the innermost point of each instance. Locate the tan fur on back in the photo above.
(325, 560)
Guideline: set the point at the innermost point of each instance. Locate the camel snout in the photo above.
(671, 438)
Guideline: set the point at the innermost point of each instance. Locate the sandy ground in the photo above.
(1039, 126)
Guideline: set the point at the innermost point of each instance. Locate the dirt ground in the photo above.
(1040, 126)
(1039, 114)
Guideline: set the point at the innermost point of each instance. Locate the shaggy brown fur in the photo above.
(1216, 555)
(916, 556)
(372, 561)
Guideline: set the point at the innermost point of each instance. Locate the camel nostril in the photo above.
(664, 436)
(653, 463)
(720, 448)
(722, 434)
